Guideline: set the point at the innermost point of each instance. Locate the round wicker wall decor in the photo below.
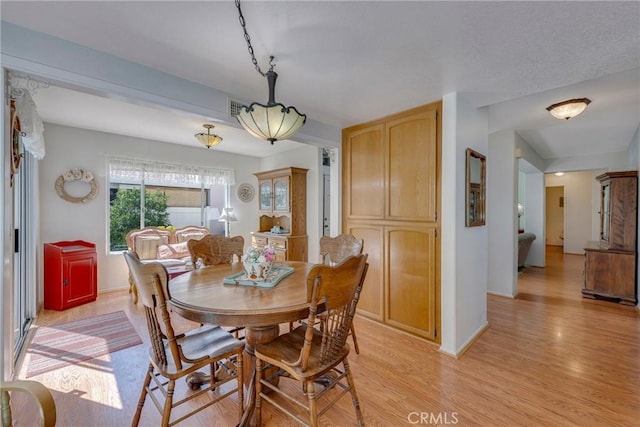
(76, 175)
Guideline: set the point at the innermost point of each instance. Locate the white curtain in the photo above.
(135, 171)
(31, 125)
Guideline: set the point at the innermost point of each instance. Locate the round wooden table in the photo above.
(200, 295)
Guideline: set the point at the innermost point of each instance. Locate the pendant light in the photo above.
(273, 121)
(207, 139)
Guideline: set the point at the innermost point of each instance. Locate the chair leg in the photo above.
(258, 384)
(313, 407)
(240, 373)
(168, 403)
(354, 394)
(355, 340)
(143, 396)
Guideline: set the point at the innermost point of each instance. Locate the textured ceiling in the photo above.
(344, 63)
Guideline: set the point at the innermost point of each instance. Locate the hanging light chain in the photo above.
(248, 40)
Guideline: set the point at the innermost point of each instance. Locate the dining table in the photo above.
(201, 295)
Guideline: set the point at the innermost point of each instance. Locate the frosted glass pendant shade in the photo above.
(273, 121)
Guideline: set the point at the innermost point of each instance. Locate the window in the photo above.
(168, 195)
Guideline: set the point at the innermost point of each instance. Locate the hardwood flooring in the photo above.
(549, 358)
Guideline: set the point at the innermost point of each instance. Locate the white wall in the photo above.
(502, 216)
(534, 202)
(464, 250)
(534, 218)
(578, 202)
(611, 161)
(633, 151)
(77, 148)
(307, 157)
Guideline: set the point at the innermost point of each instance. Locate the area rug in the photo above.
(53, 347)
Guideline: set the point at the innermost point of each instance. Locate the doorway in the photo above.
(554, 219)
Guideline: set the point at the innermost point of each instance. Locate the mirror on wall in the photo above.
(476, 188)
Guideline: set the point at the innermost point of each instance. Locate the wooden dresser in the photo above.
(282, 199)
(610, 264)
(391, 187)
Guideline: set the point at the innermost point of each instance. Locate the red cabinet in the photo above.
(70, 274)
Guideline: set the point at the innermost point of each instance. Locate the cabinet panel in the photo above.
(411, 288)
(78, 275)
(364, 173)
(412, 155)
(610, 274)
(371, 296)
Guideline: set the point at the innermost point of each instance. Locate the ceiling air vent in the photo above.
(234, 107)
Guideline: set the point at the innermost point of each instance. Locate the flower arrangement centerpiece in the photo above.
(257, 262)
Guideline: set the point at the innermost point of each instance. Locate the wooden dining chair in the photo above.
(174, 356)
(38, 392)
(311, 355)
(214, 250)
(335, 249)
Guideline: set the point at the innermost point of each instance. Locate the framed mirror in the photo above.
(476, 188)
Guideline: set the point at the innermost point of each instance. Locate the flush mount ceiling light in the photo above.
(207, 139)
(566, 110)
(273, 121)
(559, 173)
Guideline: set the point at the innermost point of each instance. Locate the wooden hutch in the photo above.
(282, 199)
(610, 264)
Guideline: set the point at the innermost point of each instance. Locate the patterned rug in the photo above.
(54, 347)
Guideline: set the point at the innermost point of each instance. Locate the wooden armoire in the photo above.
(391, 199)
(610, 263)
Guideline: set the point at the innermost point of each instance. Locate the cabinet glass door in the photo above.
(265, 196)
(281, 192)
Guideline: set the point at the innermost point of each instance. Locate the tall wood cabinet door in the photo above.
(363, 173)
(412, 162)
(411, 286)
(371, 302)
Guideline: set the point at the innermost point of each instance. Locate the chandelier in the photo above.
(566, 110)
(273, 121)
(207, 139)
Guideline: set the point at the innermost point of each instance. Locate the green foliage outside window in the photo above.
(125, 214)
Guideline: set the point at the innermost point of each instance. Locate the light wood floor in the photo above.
(549, 358)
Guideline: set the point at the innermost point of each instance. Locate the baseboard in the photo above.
(500, 294)
(467, 345)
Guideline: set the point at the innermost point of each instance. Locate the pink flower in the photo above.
(269, 254)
